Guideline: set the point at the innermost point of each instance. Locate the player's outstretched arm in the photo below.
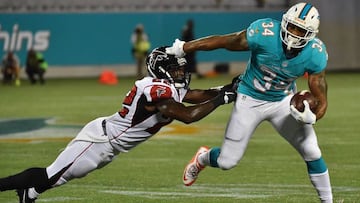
(233, 42)
(188, 114)
(197, 96)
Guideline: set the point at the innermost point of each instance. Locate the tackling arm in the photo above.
(318, 87)
(188, 114)
(197, 96)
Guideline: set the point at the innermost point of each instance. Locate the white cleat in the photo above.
(193, 168)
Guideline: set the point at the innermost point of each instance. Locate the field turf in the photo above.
(270, 172)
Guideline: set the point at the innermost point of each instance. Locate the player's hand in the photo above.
(225, 97)
(229, 87)
(234, 84)
(176, 49)
(307, 117)
(229, 96)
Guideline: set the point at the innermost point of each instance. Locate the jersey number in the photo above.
(128, 101)
(267, 29)
(269, 76)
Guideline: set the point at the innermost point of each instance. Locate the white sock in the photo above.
(322, 185)
(32, 193)
(204, 159)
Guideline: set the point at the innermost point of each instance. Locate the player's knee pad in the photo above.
(82, 168)
(311, 152)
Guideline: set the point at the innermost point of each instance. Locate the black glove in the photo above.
(233, 85)
(225, 97)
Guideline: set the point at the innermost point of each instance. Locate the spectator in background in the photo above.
(140, 48)
(36, 65)
(187, 34)
(260, 3)
(11, 69)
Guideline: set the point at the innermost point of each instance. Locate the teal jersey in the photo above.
(269, 75)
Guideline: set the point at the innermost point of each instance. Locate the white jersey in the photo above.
(134, 124)
(100, 140)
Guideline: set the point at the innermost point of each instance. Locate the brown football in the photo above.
(299, 97)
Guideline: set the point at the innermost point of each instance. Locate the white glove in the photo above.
(176, 49)
(307, 117)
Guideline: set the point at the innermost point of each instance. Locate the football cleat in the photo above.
(24, 197)
(193, 168)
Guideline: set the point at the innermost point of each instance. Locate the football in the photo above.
(299, 97)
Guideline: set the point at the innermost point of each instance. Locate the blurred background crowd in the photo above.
(85, 37)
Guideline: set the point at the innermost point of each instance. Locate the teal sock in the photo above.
(317, 166)
(214, 154)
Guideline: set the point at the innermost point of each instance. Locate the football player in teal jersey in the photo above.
(281, 52)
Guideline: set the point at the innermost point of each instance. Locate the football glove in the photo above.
(307, 117)
(234, 84)
(176, 49)
(229, 87)
(225, 97)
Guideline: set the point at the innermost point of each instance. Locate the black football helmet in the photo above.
(161, 65)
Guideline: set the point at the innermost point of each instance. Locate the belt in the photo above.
(103, 124)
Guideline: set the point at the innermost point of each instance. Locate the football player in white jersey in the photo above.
(281, 52)
(153, 102)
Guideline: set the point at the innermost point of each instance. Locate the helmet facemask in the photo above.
(305, 19)
(179, 76)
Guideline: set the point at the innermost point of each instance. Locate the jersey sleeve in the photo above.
(319, 57)
(252, 35)
(256, 31)
(158, 90)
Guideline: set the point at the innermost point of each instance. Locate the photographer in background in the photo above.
(140, 48)
(35, 65)
(11, 69)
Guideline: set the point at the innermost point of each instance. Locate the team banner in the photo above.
(75, 39)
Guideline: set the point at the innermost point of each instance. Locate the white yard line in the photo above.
(236, 191)
(156, 194)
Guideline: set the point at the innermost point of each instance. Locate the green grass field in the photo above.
(270, 172)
